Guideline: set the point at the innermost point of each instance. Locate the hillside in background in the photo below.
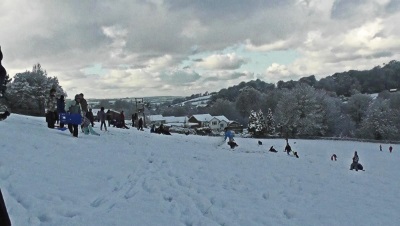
(347, 83)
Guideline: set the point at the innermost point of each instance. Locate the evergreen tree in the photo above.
(257, 125)
(261, 125)
(252, 122)
(270, 123)
(28, 91)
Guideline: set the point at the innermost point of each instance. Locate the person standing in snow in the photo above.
(354, 165)
(229, 134)
(380, 147)
(140, 124)
(108, 117)
(101, 116)
(390, 149)
(61, 108)
(84, 106)
(3, 74)
(51, 105)
(90, 116)
(74, 108)
(288, 149)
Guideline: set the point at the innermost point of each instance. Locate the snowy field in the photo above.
(131, 177)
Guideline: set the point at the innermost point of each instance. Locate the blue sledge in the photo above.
(68, 118)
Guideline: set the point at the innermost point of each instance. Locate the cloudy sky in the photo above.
(138, 48)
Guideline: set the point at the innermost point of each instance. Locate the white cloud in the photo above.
(278, 45)
(143, 42)
(229, 61)
(193, 29)
(159, 63)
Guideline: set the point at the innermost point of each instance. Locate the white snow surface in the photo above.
(131, 177)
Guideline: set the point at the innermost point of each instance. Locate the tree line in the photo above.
(338, 105)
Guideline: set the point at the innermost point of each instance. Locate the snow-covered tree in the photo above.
(257, 124)
(380, 122)
(28, 90)
(300, 112)
(270, 123)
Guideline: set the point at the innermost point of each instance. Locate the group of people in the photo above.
(78, 113)
(160, 130)
(75, 110)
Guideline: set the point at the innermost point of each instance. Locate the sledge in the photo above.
(68, 118)
(359, 167)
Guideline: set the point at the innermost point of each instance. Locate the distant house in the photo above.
(182, 121)
(156, 119)
(235, 126)
(202, 120)
(219, 123)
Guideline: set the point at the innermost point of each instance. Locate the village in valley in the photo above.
(199, 124)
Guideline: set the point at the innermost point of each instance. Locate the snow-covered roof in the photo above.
(203, 117)
(171, 119)
(178, 124)
(222, 118)
(156, 118)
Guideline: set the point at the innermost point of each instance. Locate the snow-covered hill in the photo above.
(131, 177)
(197, 102)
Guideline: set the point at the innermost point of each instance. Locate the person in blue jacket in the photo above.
(73, 107)
(228, 134)
(231, 142)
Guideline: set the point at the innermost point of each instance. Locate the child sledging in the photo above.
(355, 165)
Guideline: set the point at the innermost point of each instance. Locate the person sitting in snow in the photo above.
(272, 149)
(87, 127)
(355, 164)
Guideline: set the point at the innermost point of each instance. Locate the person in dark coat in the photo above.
(354, 165)
(108, 117)
(133, 119)
(61, 108)
(153, 128)
(3, 74)
(288, 149)
(390, 149)
(101, 117)
(90, 116)
(140, 124)
(4, 218)
(51, 109)
(272, 149)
